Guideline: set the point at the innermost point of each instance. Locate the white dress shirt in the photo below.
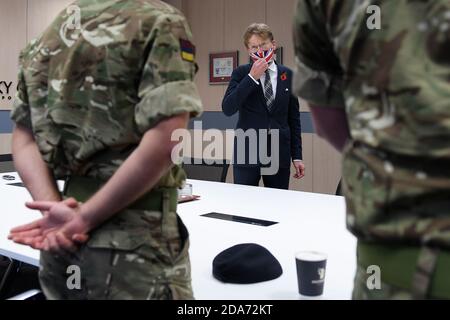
(273, 71)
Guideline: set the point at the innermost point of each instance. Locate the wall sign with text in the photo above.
(6, 91)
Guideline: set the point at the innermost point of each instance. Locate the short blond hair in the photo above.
(260, 29)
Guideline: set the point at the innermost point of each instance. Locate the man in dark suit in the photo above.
(261, 93)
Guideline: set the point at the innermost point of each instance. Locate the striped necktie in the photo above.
(268, 91)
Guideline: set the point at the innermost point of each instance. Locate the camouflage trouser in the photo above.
(396, 271)
(138, 254)
(387, 291)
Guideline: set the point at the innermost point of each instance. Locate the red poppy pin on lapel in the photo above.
(283, 76)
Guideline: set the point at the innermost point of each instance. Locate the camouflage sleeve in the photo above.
(318, 75)
(167, 85)
(21, 113)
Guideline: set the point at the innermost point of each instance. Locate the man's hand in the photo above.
(259, 68)
(299, 169)
(60, 229)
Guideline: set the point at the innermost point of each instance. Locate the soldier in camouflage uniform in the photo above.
(98, 104)
(391, 87)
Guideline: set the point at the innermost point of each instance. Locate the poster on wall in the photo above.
(221, 66)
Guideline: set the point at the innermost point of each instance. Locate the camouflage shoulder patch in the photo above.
(187, 50)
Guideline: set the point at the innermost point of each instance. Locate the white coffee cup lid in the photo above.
(311, 256)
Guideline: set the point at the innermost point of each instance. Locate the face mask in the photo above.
(262, 54)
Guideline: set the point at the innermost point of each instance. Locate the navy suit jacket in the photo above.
(246, 97)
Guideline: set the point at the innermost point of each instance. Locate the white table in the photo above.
(307, 221)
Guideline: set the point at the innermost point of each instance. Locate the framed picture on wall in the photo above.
(278, 56)
(221, 66)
